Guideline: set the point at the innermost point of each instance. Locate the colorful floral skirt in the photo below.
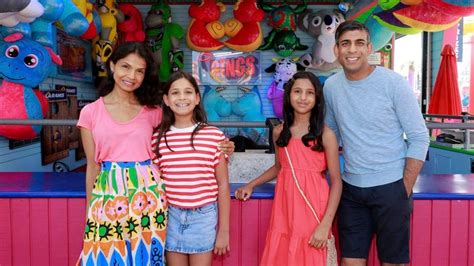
(127, 216)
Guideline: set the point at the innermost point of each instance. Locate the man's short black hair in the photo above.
(350, 26)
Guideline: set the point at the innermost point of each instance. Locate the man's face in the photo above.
(352, 50)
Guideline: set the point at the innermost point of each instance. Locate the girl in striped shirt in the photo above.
(195, 174)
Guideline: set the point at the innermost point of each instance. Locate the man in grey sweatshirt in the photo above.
(378, 122)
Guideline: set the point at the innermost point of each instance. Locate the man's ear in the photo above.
(370, 47)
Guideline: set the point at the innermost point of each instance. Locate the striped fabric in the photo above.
(189, 173)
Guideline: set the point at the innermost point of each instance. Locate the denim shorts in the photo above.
(192, 230)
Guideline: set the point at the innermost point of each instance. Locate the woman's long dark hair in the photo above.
(199, 115)
(316, 120)
(148, 92)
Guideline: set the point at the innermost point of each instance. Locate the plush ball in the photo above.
(426, 17)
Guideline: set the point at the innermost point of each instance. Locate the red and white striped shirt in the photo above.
(189, 174)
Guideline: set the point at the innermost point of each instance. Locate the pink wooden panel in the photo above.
(76, 221)
(470, 251)
(373, 259)
(459, 228)
(5, 233)
(421, 233)
(39, 231)
(235, 255)
(251, 211)
(265, 209)
(58, 232)
(440, 233)
(20, 222)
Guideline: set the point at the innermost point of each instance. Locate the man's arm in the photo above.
(413, 124)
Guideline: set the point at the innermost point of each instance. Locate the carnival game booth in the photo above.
(43, 221)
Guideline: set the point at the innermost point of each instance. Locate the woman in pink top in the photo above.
(126, 211)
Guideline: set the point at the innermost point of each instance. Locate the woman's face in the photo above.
(129, 72)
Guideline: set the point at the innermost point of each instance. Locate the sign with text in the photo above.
(227, 68)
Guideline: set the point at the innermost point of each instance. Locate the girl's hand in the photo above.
(226, 146)
(222, 243)
(243, 193)
(319, 238)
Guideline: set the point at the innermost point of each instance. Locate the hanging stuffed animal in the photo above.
(13, 12)
(131, 28)
(244, 28)
(215, 105)
(321, 25)
(282, 37)
(24, 64)
(283, 70)
(205, 29)
(163, 38)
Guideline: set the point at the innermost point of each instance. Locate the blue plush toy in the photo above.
(24, 64)
(215, 104)
(63, 11)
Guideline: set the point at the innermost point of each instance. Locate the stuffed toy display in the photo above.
(239, 104)
(282, 38)
(321, 25)
(426, 17)
(13, 12)
(283, 70)
(205, 29)
(163, 38)
(63, 12)
(103, 45)
(131, 28)
(92, 16)
(244, 28)
(388, 20)
(24, 64)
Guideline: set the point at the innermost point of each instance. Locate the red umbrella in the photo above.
(445, 99)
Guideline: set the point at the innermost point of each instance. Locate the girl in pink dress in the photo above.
(294, 236)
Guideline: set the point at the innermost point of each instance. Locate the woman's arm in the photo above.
(223, 199)
(331, 148)
(244, 193)
(93, 168)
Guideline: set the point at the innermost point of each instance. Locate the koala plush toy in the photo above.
(321, 25)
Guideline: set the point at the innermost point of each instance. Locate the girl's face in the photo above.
(303, 96)
(182, 98)
(129, 72)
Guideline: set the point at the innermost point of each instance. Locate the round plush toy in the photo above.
(388, 20)
(282, 38)
(24, 64)
(215, 104)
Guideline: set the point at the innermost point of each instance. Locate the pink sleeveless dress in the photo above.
(292, 222)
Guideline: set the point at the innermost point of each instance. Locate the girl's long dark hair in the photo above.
(316, 120)
(199, 115)
(148, 92)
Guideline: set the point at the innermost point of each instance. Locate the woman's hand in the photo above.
(244, 193)
(226, 146)
(319, 238)
(222, 243)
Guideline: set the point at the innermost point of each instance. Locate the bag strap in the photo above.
(299, 187)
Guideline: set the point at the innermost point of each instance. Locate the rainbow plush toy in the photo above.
(24, 64)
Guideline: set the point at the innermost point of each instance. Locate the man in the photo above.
(371, 109)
